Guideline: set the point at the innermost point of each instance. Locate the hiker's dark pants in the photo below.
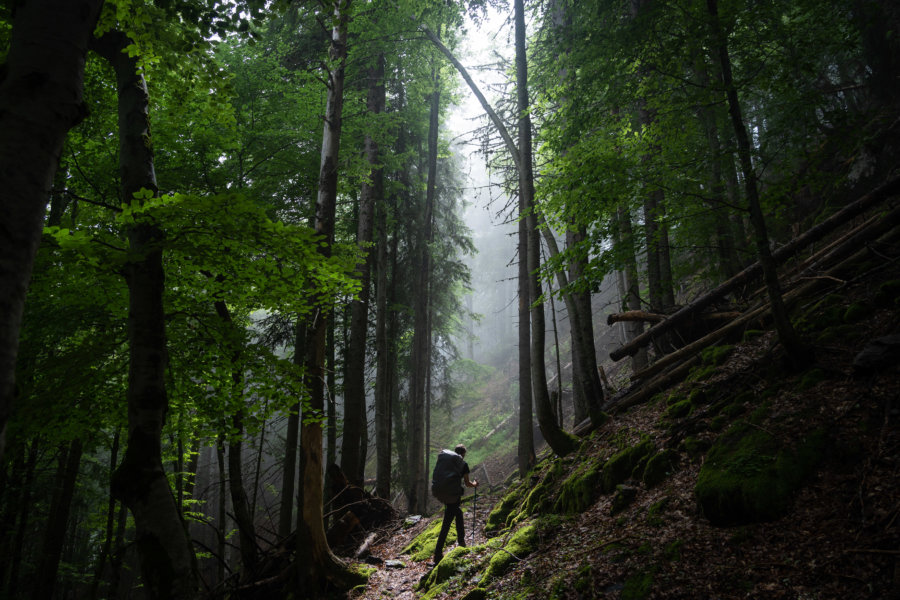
(453, 511)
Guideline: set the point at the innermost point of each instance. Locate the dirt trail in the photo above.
(398, 575)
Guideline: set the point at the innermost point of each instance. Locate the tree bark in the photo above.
(632, 298)
(382, 387)
(289, 473)
(418, 497)
(526, 454)
(315, 563)
(57, 521)
(352, 455)
(40, 100)
(796, 352)
(168, 565)
(561, 442)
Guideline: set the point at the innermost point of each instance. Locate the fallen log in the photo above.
(689, 352)
(814, 234)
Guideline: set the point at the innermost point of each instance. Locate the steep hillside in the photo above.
(744, 480)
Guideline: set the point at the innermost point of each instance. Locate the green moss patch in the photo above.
(749, 477)
(716, 355)
(639, 585)
(659, 467)
(496, 520)
(888, 293)
(576, 493)
(541, 497)
(520, 545)
(422, 546)
(452, 564)
(620, 466)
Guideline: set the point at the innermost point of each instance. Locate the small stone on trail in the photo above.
(411, 520)
(394, 564)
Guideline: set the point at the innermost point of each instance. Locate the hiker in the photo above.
(450, 472)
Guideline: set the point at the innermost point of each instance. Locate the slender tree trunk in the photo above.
(557, 439)
(13, 558)
(110, 524)
(115, 566)
(382, 386)
(286, 512)
(632, 298)
(222, 517)
(421, 351)
(167, 558)
(314, 560)
(526, 422)
(40, 100)
(729, 264)
(57, 521)
(352, 455)
(793, 346)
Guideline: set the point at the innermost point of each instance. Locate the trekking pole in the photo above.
(474, 512)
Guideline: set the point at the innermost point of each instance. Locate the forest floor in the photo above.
(839, 539)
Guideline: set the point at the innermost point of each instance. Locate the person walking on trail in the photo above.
(450, 472)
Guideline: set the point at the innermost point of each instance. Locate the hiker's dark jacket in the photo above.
(447, 477)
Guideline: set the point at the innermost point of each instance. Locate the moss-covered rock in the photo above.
(856, 312)
(694, 447)
(576, 493)
(888, 293)
(679, 410)
(620, 466)
(810, 379)
(452, 564)
(655, 512)
(639, 585)
(539, 500)
(496, 520)
(625, 495)
(422, 546)
(748, 477)
(716, 355)
(475, 594)
(520, 545)
(659, 467)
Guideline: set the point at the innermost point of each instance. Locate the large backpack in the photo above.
(446, 479)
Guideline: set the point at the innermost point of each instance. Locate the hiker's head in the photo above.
(460, 449)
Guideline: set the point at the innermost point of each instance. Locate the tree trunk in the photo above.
(315, 563)
(57, 521)
(729, 264)
(561, 442)
(12, 559)
(526, 421)
(632, 298)
(352, 456)
(110, 524)
(796, 352)
(421, 352)
(286, 513)
(167, 557)
(222, 517)
(40, 100)
(382, 386)
(242, 514)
